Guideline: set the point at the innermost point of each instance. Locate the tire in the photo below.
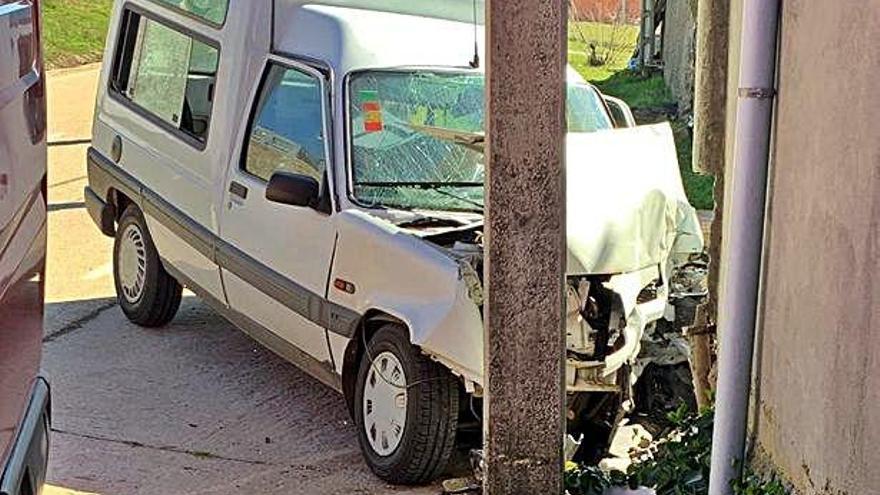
(147, 294)
(422, 449)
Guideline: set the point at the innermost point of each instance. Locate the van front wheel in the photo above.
(147, 294)
(406, 406)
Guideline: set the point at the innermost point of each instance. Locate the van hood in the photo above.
(627, 207)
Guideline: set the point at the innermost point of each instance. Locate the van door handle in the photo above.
(238, 189)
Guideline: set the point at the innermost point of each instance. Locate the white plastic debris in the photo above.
(629, 491)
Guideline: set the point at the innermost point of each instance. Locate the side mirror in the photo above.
(621, 113)
(293, 189)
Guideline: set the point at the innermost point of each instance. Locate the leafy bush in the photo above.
(753, 484)
(676, 464)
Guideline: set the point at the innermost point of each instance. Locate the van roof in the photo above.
(450, 10)
(352, 35)
(359, 34)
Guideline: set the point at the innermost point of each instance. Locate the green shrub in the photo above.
(676, 464)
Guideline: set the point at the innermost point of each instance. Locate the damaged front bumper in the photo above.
(606, 320)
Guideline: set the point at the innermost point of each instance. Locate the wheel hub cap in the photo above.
(132, 271)
(384, 405)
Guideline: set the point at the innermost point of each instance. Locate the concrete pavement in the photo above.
(195, 408)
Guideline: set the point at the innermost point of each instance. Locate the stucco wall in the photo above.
(819, 397)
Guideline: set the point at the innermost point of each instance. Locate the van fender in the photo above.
(395, 274)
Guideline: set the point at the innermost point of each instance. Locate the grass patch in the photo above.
(74, 31)
(700, 188)
(581, 34)
(648, 96)
(638, 91)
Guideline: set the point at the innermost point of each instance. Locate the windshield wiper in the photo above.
(438, 187)
(419, 185)
(475, 141)
(460, 198)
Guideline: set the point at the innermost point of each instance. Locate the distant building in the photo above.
(606, 10)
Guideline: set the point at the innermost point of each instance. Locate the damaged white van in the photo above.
(314, 171)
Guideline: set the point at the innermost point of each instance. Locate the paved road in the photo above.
(195, 408)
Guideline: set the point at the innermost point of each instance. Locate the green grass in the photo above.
(581, 34)
(74, 31)
(700, 188)
(642, 93)
(648, 96)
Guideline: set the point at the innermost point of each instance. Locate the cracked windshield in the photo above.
(417, 137)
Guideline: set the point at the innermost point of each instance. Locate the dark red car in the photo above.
(24, 396)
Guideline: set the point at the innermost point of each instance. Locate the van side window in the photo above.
(166, 73)
(287, 132)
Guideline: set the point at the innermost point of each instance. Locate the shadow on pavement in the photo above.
(196, 407)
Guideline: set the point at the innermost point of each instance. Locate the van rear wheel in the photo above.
(406, 407)
(147, 294)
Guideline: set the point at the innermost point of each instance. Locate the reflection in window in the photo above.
(287, 132)
(213, 11)
(166, 73)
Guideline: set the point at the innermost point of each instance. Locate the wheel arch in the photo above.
(118, 201)
(370, 323)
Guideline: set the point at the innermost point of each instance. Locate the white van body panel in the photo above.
(419, 284)
(287, 324)
(189, 178)
(298, 243)
(646, 217)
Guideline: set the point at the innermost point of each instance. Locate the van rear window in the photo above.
(167, 74)
(212, 11)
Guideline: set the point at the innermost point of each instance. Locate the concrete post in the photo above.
(709, 153)
(710, 98)
(525, 246)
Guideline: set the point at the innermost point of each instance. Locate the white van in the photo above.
(314, 171)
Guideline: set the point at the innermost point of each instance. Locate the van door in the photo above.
(276, 258)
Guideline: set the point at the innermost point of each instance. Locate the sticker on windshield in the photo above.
(373, 121)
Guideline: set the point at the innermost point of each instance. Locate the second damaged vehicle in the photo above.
(319, 182)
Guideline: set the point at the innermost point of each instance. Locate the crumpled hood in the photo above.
(627, 208)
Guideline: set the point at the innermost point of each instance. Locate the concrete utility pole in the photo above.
(709, 156)
(525, 245)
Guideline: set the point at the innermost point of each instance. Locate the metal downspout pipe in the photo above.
(742, 256)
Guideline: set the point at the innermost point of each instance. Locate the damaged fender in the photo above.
(399, 274)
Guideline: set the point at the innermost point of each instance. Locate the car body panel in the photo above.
(398, 274)
(185, 175)
(23, 213)
(627, 206)
(270, 232)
